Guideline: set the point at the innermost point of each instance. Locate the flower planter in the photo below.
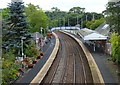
(38, 57)
(30, 65)
(26, 59)
(34, 61)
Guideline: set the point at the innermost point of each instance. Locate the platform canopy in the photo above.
(84, 32)
(95, 36)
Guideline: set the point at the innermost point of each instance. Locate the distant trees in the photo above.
(77, 10)
(56, 17)
(55, 9)
(75, 16)
(94, 23)
(36, 17)
(79, 16)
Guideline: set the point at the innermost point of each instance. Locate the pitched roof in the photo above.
(84, 32)
(37, 35)
(103, 29)
(95, 36)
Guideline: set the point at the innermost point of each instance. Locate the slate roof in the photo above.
(36, 35)
(103, 29)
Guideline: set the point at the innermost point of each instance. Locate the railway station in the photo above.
(70, 61)
(42, 46)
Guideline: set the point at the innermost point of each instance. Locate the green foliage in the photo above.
(5, 14)
(112, 13)
(97, 23)
(55, 9)
(36, 17)
(76, 15)
(110, 58)
(73, 18)
(9, 68)
(89, 23)
(17, 27)
(94, 23)
(77, 10)
(31, 50)
(115, 40)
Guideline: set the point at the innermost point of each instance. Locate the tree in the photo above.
(94, 23)
(36, 17)
(55, 9)
(115, 40)
(5, 15)
(77, 10)
(112, 13)
(9, 67)
(17, 27)
(74, 18)
(56, 17)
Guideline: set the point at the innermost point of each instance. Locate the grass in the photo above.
(110, 58)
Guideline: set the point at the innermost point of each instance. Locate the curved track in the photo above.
(70, 64)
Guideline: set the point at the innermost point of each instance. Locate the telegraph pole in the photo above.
(81, 22)
(86, 17)
(77, 20)
(93, 17)
(64, 22)
(68, 22)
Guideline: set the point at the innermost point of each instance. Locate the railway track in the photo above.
(70, 64)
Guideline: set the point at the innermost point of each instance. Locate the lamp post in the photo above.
(36, 40)
(41, 30)
(22, 45)
(41, 37)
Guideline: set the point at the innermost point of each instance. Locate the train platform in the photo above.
(100, 59)
(107, 68)
(31, 73)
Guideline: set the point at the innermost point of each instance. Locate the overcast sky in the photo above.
(64, 5)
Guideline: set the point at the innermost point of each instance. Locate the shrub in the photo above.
(115, 40)
(31, 50)
(9, 68)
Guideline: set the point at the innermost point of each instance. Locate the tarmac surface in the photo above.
(28, 76)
